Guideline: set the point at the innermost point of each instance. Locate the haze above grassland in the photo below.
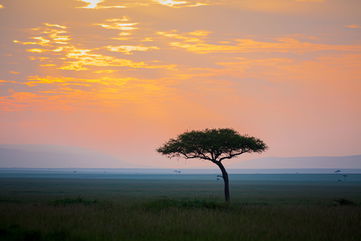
(48, 156)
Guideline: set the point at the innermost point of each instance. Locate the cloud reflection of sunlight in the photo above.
(92, 3)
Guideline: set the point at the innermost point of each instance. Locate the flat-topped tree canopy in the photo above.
(211, 144)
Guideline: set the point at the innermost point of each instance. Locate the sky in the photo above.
(122, 77)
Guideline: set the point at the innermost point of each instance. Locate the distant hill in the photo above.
(49, 156)
(300, 162)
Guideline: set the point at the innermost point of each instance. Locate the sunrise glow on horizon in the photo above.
(123, 77)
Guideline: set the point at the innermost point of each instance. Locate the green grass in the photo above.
(126, 210)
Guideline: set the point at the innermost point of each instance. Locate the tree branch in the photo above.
(232, 155)
(198, 155)
(203, 156)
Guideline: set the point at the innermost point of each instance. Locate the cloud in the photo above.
(65, 81)
(18, 101)
(339, 71)
(353, 26)
(199, 45)
(67, 93)
(108, 4)
(80, 59)
(179, 4)
(50, 35)
(95, 4)
(122, 24)
(274, 6)
(129, 49)
(55, 25)
(311, 1)
(54, 48)
(92, 3)
(6, 81)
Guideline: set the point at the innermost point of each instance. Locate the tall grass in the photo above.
(72, 211)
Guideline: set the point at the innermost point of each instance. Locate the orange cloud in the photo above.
(353, 26)
(6, 81)
(179, 4)
(338, 71)
(274, 6)
(55, 43)
(280, 45)
(122, 24)
(92, 3)
(55, 25)
(37, 80)
(36, 50)
(95, 4)
(79, 59)
(18, 101)
(66, 93)
(50, 34)
(311, 1)
(195, 36)
(129, 49)
(100, 4)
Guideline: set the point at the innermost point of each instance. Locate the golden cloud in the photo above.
(51, 34)
(311, 1)
(129, 49)
(278, 6)
(179, 4)
(7, 81)
(122, 24)
(37, 80)
(78, 59)
(279, 45)
(100, 4)
(55, 25)
(54, 42)
(95, 4)
(65, 93)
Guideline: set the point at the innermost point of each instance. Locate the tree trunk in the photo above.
(226, 181)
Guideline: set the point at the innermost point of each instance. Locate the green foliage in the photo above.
(211, 144)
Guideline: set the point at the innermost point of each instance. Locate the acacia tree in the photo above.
(213, 145)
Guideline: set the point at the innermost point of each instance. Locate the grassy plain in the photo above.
(190, 208)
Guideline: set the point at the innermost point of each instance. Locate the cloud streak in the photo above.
(194, 44)
(96, 4)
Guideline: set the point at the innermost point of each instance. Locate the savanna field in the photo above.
(139, 207)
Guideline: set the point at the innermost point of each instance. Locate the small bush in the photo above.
(343, 202)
